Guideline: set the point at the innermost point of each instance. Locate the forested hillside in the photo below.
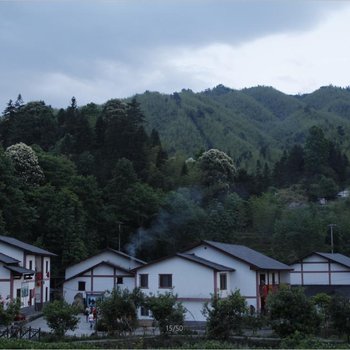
(144, 171)
(247, 124)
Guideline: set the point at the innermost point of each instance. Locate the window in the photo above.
(30, 264)
(223, 281)
(165, 281)
(81, 285)
(46, 266)
(47, 294)
(18, 293)
(144, 311)
(119, 280)
(143, 281)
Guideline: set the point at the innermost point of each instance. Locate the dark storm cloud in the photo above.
(39, 37)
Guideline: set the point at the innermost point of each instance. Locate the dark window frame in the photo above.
(143, 278)
(81, 286)
(223, 281)
(144, 311)
(161, 281)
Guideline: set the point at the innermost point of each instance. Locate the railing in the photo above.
(21, 333)
(265, 289)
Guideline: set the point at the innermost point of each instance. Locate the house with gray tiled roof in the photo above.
(212, 268)
(90, 278)
(24, 273)
(322, 272)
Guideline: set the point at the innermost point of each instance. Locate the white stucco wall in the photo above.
(243, 278)
(11, 251)
(102, 279)
(190, 280)
(317, 270)
(4, 282)
(193, 283)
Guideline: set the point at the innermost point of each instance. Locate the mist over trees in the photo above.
(82, 178)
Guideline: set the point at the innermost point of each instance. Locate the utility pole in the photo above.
(332, 242)
(119, 223)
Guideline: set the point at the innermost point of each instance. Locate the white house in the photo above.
(322, 272)
(24, 273)
(212, 267)
(92, 277)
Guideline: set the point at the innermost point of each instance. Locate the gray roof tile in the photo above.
(336, 257)
(25, 246)
(250, 256)
(7, 259)
(205, 262)
(20, 270)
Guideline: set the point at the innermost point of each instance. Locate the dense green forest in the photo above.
(163, 171)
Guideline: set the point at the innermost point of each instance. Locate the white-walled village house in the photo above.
(92, 277)
(212, 267)
(24, 273)
(322, 272)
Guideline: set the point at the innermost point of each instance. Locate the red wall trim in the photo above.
(11, 286)
(323, 271)
(108, 276)
(302, 273)
(215, 282)
(257, 292)
(194, 299)
(42, 284)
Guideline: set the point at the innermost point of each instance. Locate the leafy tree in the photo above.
(26, 164)
(217, 171)
(119, 310)
(32, 123)
(290, 311)
(339, 310)
(322, 302)
(58, 169)
(166, 310)
(61, 317)
(296, 233)
(17, 215)
(225, 315)
(78, 134)
(8, 314)
(61, 224)
(265, 210)
(316, 151)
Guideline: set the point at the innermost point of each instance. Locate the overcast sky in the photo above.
(97, 50)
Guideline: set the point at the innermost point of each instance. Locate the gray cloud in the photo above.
(74, 42)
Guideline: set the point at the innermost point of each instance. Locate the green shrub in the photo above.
(167, 312)
(225, 316)
(61, 317)
(290, 311)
